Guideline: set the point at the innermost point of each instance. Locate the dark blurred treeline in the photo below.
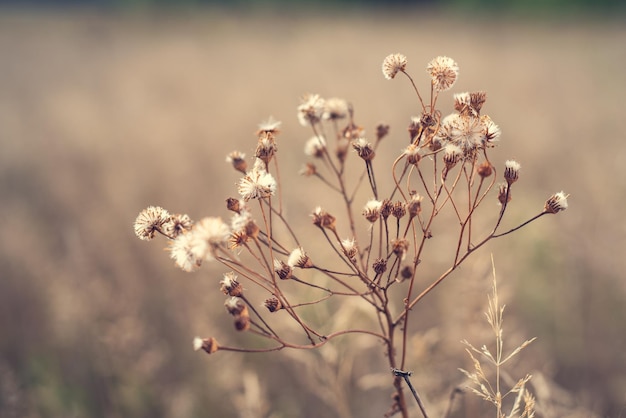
(533, 7)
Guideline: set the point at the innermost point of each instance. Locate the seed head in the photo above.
(180, 252)
(350, 249)
(386, 208)
(372, 209)
(176, 225)
(230, 286)
(400, 247)
(299, 258)
(382, 130)
(234, 205)
(242, 322)
(150, 221)
(207, 236)
(452, 154)
(335, 109)
(364, 149)
(283, 270)
(511, 171)
(271, 126)
(556, 203)
(323, 219)
(399, 210)
(392, 64)
(266, 147)
(273, 304)
(414, 205)
(257, 184)
(415, 127)
(412, 154)
(311, 109)
(235, 306)
(443, 72)
(504, 194)
(237, 159)
(315, 147)
(209, 345)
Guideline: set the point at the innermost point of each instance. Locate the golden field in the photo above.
(104, 114)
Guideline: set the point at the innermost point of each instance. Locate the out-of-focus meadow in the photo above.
(103, 114)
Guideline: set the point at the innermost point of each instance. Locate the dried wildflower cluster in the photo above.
(373, 245)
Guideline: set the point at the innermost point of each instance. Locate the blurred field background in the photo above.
(106, 111)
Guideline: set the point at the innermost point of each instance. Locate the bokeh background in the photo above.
(106, 108)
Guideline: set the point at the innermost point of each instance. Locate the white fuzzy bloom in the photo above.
(181, 253)
(315, 146)
(311, 109)
(206, 236)
(257, 184)
(392, 64)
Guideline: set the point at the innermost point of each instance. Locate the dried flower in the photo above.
(386, 208)
(283, 270)
(150, 221)
(335, 109)
(273, 304)
(230, 286)
(323, 219)
(400, 247)
(315, 146)
(556, 203)
(382, 130)
(311, 109)
(350, 249)
(371, 211)
(235, 306)
(208, 235)
(266, 147)
(392, 64)
(234, 205)
(257, 184)
(415, 128)
(379, 266)
(452, 154)
(308, 170)
(176, 225)
(210, 345)
(414, 205)
(444, 72)
(511, 171)
(399, 210)
(485, 169)
(242, 322)
(504, 194)
(181, 253)
(364, 149)
(412, 154)
(237, 159)
(271, 125)
(299, 258)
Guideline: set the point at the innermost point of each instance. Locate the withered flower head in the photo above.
(477, 99)
(386, 208)
(335, 109)
(491, 130)
(235, 306)
(323, 219)
(485, 169)
(242, 322)
(283, 270)
(273, 304)
(209, 345)
(308, 170)
(452, 154)
(234, 205)
(299, 258)
(230, 286)
(257, 184)
(266, 147)
(315, 147)
(443, 72)
(180, 252)
(176, 225)
(511, 171)
(504, 194)
(379, 266)
(556, 203)
(208, 235)
(237, 159)
(462, 103)
(414, 205)
(392, 64)
(412, 154)
(271, 125)
(150, 221)
(407, 272)
(382, 130)
(415, 127)
(311, 109)
(350, 249)
(399, 210)
(400, 247)
(364, 149)
(372, 209)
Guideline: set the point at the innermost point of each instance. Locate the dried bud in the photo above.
(323, 219)
(406, 272)
(364, 149)
(382, 130)
(235, 306)
(399, 210)
(283, 270)
(372, 209)
(511, 171)
(266, 147)
(485, 169)
(386, 208)
(379, 266)
(452, 154)
(504, 194)
(415, 128)
(298, 258)
(209, 345)
(242, 322)
(556, 203)
(414, 205)
(237, 159)
(412, 154)
(350, 248)
(230, 286)
(400, 247)
(273, 304)
(308, 169)
(233, 205)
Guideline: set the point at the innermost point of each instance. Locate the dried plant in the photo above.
(444, 169)
(480, 382)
